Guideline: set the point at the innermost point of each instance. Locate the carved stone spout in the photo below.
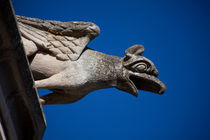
(61, 62)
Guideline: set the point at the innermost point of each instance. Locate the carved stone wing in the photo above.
(65, 40)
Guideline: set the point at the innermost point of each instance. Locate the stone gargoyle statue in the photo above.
(61, 62)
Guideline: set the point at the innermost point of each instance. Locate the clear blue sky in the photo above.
(176, 35)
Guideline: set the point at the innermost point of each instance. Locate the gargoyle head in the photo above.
(139, 72)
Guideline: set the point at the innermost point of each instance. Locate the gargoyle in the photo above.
(61, 62)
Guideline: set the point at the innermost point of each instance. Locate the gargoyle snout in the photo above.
(155, 72)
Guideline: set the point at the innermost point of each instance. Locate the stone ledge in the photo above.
(21, 115)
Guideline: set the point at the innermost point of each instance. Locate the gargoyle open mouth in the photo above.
(147, 82)
(140, 73)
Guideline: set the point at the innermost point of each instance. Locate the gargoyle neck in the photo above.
(102, 70)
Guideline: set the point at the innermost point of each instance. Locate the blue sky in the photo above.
(176, 35)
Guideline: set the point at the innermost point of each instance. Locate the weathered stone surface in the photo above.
(71, 74)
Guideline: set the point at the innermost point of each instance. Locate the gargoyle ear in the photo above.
(134, 50)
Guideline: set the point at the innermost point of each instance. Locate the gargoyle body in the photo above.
(61, 62)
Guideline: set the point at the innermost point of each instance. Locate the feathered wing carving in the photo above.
(65, 40)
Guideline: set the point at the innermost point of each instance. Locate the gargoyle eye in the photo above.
(140, 67)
